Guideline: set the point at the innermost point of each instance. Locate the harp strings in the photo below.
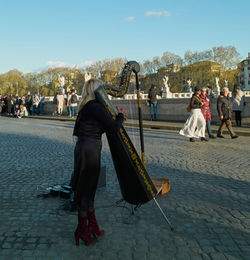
(133, 131)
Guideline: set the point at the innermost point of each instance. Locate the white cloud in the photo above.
(159, 13)
(86, 63)
(60, 64)
(55, 64)
(129, 19)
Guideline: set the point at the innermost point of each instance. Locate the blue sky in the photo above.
(37, 34)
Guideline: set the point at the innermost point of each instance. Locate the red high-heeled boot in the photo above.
(82, 231)
(93, 225)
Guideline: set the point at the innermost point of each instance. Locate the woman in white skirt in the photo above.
(195, 125)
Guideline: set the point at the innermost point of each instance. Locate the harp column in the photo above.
(140, 120)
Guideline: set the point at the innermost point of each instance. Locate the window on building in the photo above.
(248, 68)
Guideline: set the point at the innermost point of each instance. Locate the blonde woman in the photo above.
(92, 121)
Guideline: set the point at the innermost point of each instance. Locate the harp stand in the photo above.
(142, 143)
(162, 212)
(133, 209)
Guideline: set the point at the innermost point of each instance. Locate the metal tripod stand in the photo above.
(133, 209)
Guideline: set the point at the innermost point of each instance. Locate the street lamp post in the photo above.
(17, 88)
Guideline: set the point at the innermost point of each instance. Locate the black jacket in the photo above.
(224, 107)
(93, 120)
(152, 95)
(195, 102)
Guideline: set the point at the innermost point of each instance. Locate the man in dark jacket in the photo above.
(224, 108)
(152, 96)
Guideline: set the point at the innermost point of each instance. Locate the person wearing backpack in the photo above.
(73, 103)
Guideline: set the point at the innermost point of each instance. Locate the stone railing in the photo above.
(247, 93)
(166, 96)
(169, 109)
(145, 96)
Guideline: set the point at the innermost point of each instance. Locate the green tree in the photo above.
(13, 82)
(228, 57)
(170, 58)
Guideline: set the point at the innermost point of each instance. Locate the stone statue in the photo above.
(217, 88)
(166, 89)
(189, 88)
(87, 76)
(61, 81)
(226, 83)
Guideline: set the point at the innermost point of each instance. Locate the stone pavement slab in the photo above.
(163, 125)
(208, 204)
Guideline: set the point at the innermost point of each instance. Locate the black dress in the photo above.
(92, 121)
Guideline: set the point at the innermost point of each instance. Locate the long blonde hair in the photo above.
(88, 91)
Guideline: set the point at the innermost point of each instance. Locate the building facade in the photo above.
(244, 77)
(200, 73)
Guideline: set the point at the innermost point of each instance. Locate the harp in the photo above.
(135, 183)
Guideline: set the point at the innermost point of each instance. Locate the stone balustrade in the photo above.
(145, 96)
(165, 95)
(169, 109)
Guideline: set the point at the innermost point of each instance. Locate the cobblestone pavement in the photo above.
(208, 204)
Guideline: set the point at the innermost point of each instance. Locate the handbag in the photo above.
(189, 106)
(148, 103)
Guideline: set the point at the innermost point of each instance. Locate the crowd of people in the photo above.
(27, 105)
(200, 113)
(70, 99)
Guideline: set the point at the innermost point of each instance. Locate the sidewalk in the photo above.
(174, 126)
(208, 204)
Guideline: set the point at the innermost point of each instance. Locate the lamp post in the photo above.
(17, 88)
(9, 85)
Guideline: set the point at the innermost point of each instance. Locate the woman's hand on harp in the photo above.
(122, 111)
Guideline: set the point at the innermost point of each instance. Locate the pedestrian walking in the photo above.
(28, 102)
(195, 125)
(18, 100)
(4, 105)
(55, 110)
(10, 105)
(1, 106)
(206, 111)
(92, 121)
(210, 93)
(68, 97)
(73, 103)
(224, 108)
(35, 103)
(152, 96)
(60, 102)
(41, 104)
(238, 103)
